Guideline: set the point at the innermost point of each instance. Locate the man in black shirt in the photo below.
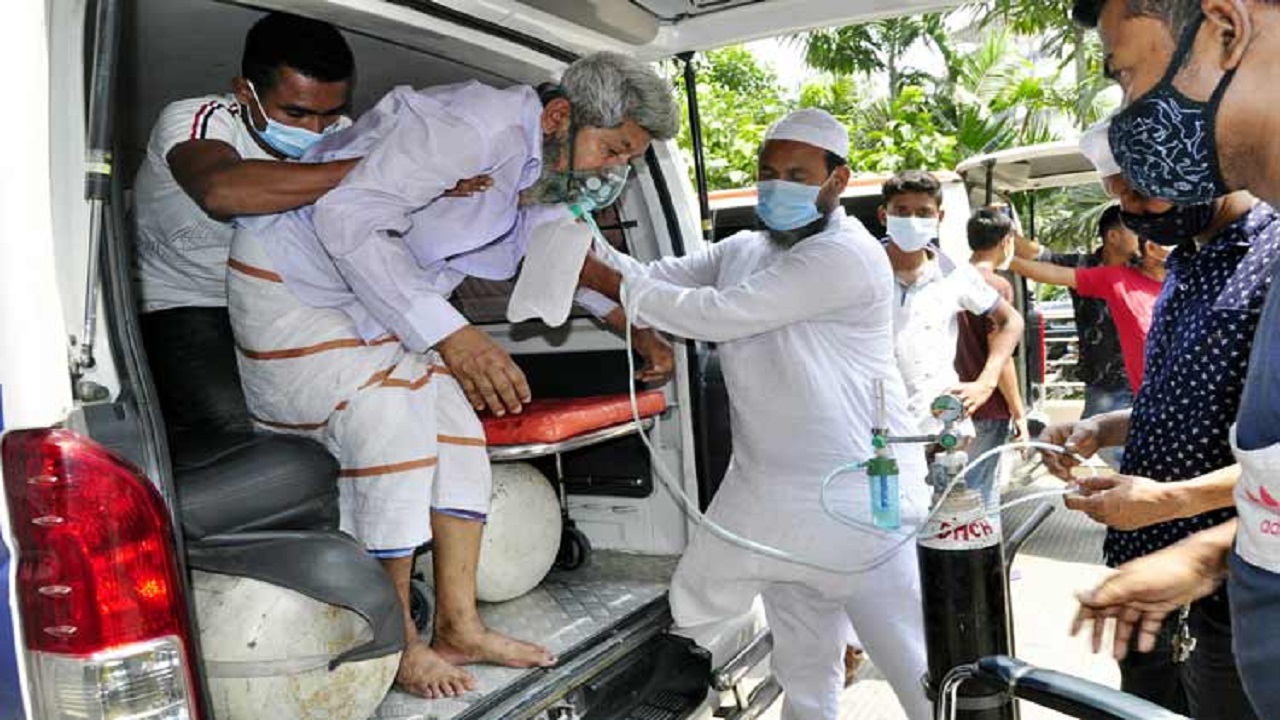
(1101, 366)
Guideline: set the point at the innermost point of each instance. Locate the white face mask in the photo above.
(911, 233)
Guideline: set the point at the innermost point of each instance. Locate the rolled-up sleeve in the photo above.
(803, 284)
(361, 222)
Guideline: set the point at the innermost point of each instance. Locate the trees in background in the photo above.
(1015, 73)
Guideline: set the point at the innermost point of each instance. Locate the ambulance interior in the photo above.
(625, 531)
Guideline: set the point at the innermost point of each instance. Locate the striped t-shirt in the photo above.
(181, 258)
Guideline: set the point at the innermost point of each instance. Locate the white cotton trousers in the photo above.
(407, 440)
(810, 610)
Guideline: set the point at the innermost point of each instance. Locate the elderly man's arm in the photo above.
(361, 224)
(1142, 593)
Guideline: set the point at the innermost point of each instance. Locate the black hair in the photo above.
(1109, 220)
(311, 47)
(912, 181)
(549, 91)
(987, 228)
(1177, 14)
(835, 162)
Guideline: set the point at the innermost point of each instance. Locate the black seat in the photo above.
(229, 478)
(251, 504)
(231, 482)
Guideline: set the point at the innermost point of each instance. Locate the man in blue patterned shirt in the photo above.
(1178, 471)
(1230, 46)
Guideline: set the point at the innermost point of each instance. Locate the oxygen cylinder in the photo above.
(965, 593)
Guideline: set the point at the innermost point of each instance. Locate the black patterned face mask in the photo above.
(1165, 142)
(1172, 227)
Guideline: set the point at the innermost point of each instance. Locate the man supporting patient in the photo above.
(345, 331)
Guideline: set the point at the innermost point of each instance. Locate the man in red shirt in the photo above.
(991, 238)
(1130, 291)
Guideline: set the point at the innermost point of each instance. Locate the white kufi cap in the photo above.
(1095, 143)
(814, 127)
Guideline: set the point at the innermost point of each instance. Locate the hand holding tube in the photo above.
(1125, 502)
(1080, 438)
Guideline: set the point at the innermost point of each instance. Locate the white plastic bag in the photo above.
(549, 276)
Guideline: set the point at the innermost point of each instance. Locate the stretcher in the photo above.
(554, 426)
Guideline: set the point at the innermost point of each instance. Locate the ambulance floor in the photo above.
(569, 609)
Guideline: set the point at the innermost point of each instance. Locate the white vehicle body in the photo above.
(184, 48)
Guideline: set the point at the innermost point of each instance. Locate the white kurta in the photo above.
(803, 334)
(927, 325)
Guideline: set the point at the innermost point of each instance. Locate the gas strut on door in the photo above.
(97, 184)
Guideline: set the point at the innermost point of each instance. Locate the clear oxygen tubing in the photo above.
(955, 482)
(630, 305)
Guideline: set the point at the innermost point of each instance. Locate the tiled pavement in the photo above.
(1063, 557)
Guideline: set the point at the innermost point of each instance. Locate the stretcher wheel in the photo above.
(575, 549)
(420, 604)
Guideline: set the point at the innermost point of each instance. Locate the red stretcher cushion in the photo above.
(555, 419)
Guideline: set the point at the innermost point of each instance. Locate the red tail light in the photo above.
(98, 583)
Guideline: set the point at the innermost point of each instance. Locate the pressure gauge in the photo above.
(947, 408)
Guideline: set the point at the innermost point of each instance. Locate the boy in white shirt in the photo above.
(929, 300)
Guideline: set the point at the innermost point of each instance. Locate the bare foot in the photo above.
(479, 644)
(423, 672)
(853, 658)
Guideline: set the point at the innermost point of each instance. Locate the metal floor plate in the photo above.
(568, 609)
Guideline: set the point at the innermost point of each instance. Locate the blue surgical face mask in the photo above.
(786, 205)
(1166, 142)
(292, 142)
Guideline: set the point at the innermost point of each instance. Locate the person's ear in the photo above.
(1232, 29)
(837, 181)
(240, 87)
(832, 188)
(555, 117)
(882, 214)
(942, 214)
